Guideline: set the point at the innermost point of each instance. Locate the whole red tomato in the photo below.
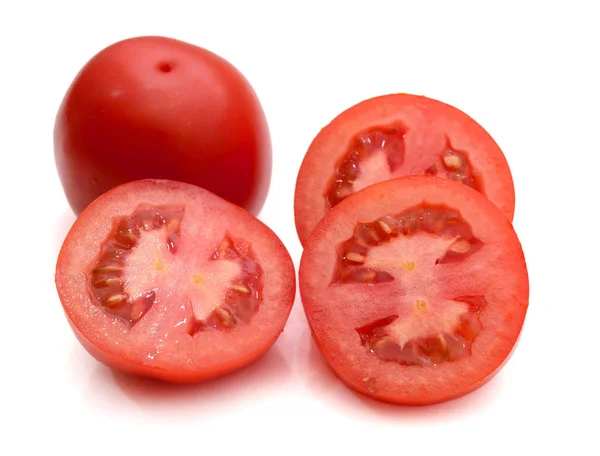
(156, 107)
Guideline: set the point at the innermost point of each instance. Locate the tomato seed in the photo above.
(367, 234)
(385, 227)
(461, 246)
(107, 282)
(224, 317)
(116, 300)
(452, 161)
(460, 250)
(173, 225)
(243, 289)
(443, 343)
(108, 269)
(457, 167)
(354, 257)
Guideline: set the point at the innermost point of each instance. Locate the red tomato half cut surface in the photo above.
(415, 289)
(167, 280)
(393, 136)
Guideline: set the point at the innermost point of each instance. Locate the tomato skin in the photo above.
(206, 355)
(119, 364)
(171, 376)
(334, 312)
(156, 107)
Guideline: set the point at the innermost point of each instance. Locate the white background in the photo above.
(527, 71)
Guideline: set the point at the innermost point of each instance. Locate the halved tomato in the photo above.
(167, 280)
(392, 136)
(415, 289)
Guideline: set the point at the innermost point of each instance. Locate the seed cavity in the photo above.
(460, 250)
(242, 303)
(455, 165)
(105, 284)
(389, 139)
(381, 338)
(439, 220)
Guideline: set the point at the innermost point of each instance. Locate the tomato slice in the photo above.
(393, 136)
(167, 280)
(415, 289)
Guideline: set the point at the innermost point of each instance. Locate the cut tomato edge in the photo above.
(130, 367)
(356, 383)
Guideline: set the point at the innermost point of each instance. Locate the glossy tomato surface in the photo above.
(155, 107)
(167, 280)
(415, 289)
(392, 136)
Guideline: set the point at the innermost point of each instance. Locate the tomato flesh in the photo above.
(168, 280)
(393, 136)
(415, 289)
